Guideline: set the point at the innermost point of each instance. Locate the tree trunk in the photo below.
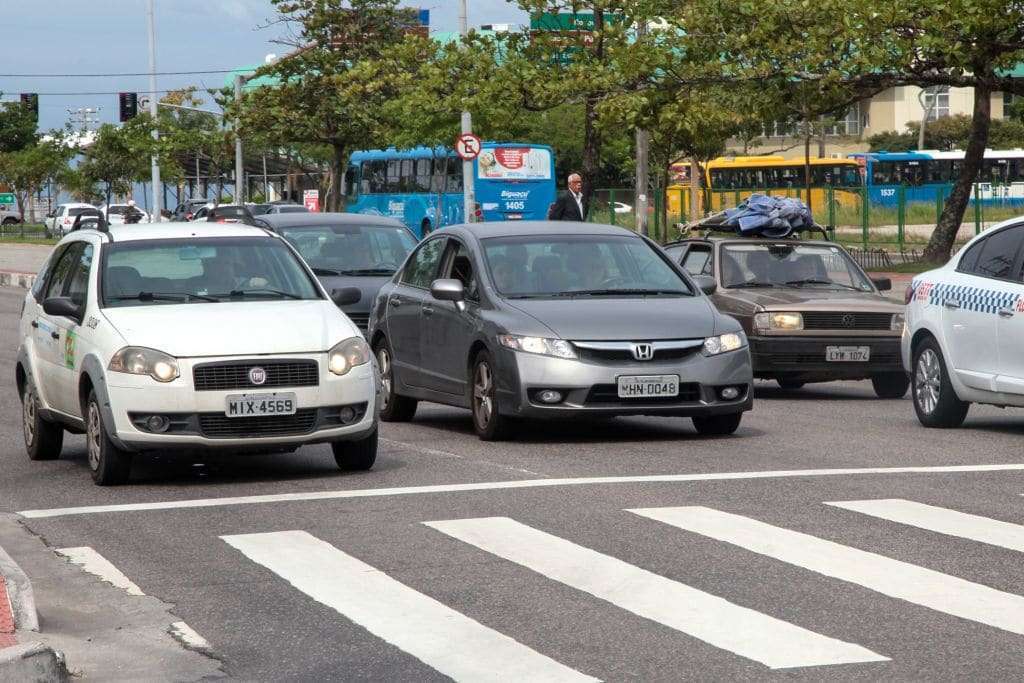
(808, 130)
(591, 136)
(941, 243)
(336, 197)
(696, 200)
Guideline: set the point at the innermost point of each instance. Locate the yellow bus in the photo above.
(729, 180)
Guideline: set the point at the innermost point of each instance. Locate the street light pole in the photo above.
(156, 216)
(468, 191)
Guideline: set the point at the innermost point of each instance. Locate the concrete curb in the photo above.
(19, 591)
(19, 280)
(33, 662)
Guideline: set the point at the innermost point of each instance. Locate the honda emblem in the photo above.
(643, 351)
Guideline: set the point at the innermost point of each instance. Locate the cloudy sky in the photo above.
(110, 36)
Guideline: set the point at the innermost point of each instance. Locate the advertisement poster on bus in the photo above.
(515, 163)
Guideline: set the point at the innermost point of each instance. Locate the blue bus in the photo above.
(422, 187)
(927, 176)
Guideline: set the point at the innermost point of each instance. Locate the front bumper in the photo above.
(198, 420)
(590, 389)
(804, 357)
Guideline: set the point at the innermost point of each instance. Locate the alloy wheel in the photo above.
(483, 399)
(28, 414)
(927, 381)
(94, 432)
(384, 361)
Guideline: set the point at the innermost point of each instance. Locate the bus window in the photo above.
(423, 175)
(406, 182)
(374, 177)
(882, 173)
(351, 186)
(850, 176)
(454, 183)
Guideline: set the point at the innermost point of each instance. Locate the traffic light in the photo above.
(31, 100)
(129, 102)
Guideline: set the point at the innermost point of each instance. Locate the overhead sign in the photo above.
(7, 198)
(515, 163)
(468, 146)
(311, 200)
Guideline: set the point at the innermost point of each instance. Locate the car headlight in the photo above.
(138, 360)
(347, 355)
(559, 348)
(899, 320)
(778, 321)
(724, 343)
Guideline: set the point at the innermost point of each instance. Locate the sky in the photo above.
(111, 36)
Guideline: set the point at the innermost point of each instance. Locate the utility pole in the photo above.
(468, 191)
(153, 97)
(239, 165)
(643, 167)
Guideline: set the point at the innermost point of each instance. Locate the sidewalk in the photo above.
(23, 258)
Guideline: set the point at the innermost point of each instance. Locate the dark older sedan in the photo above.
(554, 320)
(810, 312)
(352, 254)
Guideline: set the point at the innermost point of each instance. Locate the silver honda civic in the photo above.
(547, 319)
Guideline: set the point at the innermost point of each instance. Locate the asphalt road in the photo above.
(739, 569)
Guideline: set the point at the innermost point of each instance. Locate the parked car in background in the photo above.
(542, 319)
(116, 214)
(277, 208)
(186, 209)
(87, 220)
(59, 221)
(230, 213)
(811, 313)
(9, 215)
(965, 327)
(347, 251)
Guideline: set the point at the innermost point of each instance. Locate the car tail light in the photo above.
(188, 216)
(908, 295)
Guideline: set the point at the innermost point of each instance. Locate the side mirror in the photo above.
(706, 283)
(62, 307)
(346, 296)
(883, 284)
(447, 290)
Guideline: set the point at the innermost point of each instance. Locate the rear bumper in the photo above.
(804, 357)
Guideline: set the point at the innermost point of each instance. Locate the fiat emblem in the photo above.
(257, 376)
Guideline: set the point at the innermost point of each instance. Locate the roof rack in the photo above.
(708, 229)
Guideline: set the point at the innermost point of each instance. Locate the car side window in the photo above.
(999, 253)
(675, 252)
(39, 286)
(424, 263)
(969, 261)
(78, 282)
(64, 269)
(460, 267)
(698, 260)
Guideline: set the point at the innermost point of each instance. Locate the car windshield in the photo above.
(350, 248)
(790, 265)
(154, 272)
(78, 211)
(585, 265)
(259, 209)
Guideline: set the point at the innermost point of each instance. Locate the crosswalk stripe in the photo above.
(941, 520)
(902, 580)
(714, 620)
(439, 636)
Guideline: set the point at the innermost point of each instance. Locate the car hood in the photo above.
(233, 328)
(368, 285)
(607, 319)
(813, 300)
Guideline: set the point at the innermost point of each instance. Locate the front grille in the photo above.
(219, 426)
(626, 356)
(361, 320)
(829, 320)
(235, 374)
(608, 394)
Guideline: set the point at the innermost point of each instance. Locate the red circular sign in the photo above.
(467, 146)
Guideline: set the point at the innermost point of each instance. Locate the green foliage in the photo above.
(950, 132)
(117, 158)
(27, 169)
(890, 141)
(17, 126)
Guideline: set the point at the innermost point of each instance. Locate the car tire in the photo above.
(789, 384)
(10, 221)
(488, 423)
(891, 384)
(717, 425)
(394, 408)
(108, 464)
(43, 439)
(935, 400)
(353, 456)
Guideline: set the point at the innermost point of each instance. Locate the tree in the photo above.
(116, 159)
(17, 126)
(27, 169)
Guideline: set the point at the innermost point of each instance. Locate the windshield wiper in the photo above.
(639, 291)
(263, 292)
(325, 271)
(750, 285)
(815, 281)
(159, 296)
(369, 271)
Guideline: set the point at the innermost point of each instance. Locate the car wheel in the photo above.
(789, 384)
(10, 221)
(394, 408)
(108, 464)
(717, 425)
(356, 455)
(43, 439)
(935, 401)
(891, 384)
(489, 424)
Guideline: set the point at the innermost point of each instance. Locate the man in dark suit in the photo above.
(570, 206)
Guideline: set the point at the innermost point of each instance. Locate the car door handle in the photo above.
(55, 335)
(394, 301)
(1006, 313)
(34, 324)
(951, 303)
(428, 311)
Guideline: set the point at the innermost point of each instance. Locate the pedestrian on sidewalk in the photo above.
(570, 206)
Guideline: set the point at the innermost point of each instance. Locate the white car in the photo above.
(151, 338)
(114, 213)
(965, 328)
(59, 221)
(9, 215)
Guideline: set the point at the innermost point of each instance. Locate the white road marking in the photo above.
(714, 620)
(97, 565)
(440, 637)
(901, 580)
(511, 484)
(941, 520)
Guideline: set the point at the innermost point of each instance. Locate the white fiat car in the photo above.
(164, 337)
(965, 326)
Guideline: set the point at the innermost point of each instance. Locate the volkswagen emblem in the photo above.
(643, 351)
(257, 376)
(848, 320)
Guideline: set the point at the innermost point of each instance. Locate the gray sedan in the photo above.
(552, 320)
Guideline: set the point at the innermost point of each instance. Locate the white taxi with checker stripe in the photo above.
(166, 337)
(964, 330)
